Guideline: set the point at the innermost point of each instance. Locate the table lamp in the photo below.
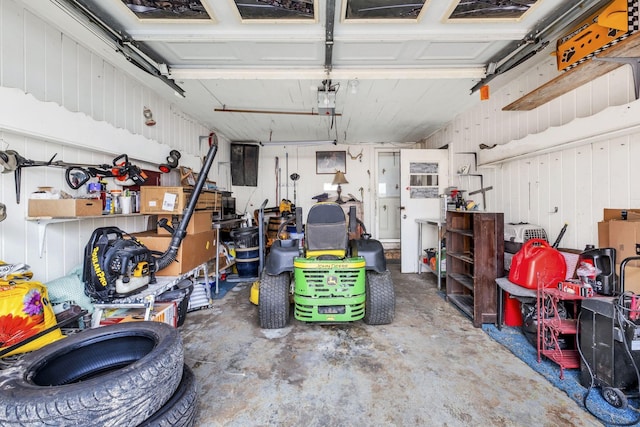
(338, 179)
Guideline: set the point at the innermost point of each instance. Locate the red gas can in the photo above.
(537, 260)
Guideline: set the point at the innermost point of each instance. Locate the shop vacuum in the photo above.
(609, 330)
(116, 264)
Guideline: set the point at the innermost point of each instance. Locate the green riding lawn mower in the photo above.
(329, 277)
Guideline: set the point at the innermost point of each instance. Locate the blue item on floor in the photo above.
(224, 286)
(514, 340)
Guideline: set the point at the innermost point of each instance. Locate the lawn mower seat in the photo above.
(326, 231)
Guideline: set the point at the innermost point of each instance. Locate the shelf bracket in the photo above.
(635, 68)
(42, 230)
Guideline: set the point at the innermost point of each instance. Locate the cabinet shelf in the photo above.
(463, 256)
(464, 280)
(475, 258)
(463, 302)
(468, 233)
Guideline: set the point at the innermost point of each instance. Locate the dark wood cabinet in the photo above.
(475, 258)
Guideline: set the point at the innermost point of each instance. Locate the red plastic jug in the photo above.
(537, 260)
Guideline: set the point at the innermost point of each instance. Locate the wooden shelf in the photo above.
(578, 76)
(464, 280)
(44, 221)
(475, 258)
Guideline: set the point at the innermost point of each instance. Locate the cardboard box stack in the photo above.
(194, 250)
(173, 200)
(620, 229)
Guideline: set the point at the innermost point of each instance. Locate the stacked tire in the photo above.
(128, 374)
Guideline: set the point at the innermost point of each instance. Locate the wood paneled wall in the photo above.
(59, 77)
(559, 177)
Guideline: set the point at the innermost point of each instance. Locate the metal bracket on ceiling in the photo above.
(328, 38)
(519, 51)
(635, 68)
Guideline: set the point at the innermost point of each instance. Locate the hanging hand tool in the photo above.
(77, 174)
(295, 177)
(557, 242)
(277, 182)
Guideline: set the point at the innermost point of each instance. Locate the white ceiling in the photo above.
(413, 75)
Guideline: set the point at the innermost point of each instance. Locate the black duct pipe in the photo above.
(178, 235)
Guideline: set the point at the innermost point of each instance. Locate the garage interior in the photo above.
(428, 118)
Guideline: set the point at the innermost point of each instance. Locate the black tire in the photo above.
(615, 397)
(180, 409)
(273, 303)
(117, 375)
(380, 303)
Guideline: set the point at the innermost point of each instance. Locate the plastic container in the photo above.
(604, 261)
(115, 202)
(245, 237)
(537, 260)
(512, 311)
(180, 295)
(247, 261)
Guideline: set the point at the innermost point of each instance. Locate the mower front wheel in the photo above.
(273, 303)
(380, 303)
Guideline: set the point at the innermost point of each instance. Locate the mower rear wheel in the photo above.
(380, 303)
(273, 303)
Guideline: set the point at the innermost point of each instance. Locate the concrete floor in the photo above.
(431, 367)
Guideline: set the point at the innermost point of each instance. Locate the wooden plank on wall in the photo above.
(578, 76)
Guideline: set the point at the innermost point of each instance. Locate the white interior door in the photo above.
(388, 194)
(423, 177)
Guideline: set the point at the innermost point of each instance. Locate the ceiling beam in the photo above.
(336, 73)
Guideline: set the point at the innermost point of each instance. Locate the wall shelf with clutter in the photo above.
(470, 170)
(43, 222)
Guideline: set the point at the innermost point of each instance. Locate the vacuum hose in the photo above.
(170, 255)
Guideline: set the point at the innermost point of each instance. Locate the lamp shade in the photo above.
(339, 178)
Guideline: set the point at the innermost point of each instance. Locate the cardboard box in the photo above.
(618, 233)
(200, 222)
(194, 250)
(164, 312)
(64, 208)
(167, 200)
(631, 278)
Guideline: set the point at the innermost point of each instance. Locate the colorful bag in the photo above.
(25, 310)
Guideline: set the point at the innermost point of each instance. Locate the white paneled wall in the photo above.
(548, 186)
(58, 97)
